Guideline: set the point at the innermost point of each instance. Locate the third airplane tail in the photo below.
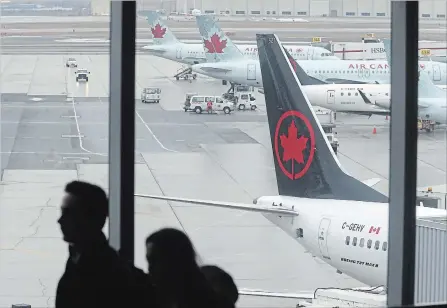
(305, 163)
(160, 32)
(217, 46)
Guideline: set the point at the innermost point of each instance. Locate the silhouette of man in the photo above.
(95, 275)
(222, 283)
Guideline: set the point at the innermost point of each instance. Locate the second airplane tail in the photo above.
(305, 163)
(217, 45)
(160, 32)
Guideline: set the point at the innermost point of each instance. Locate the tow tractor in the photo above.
(327, 121)
(149, 95)
(71, 62)
(426, 124)
(235, 92)
(198, 104)
(185, 72)
(433, 198)
(245, 101)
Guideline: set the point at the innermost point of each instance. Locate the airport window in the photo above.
(377, 245)
(350, 14)
(274, 12)
(426, 15)
(288, 13)
(362, 242)
(440, 15)
(209, 11)
(256, 12)
(348, 238)
(342, 93)
(385, 246)
(380, 14)
(349, 93)
(354, 241)
(240, 12)
(356, 94)
(301, 13)
(369, 244)
(268, 12)
(366, 14)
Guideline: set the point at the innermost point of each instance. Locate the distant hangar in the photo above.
(432, 9)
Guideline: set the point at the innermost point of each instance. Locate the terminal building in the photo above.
(432, 9)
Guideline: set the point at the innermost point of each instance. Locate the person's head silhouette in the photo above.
(169, 252)
(84, 212)
(221, 282)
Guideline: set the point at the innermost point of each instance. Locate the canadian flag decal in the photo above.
(374, 230)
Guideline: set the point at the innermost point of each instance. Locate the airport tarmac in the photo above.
(54, 130)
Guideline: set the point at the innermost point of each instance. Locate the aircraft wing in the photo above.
(344, 81)
(371, 182)
(274, 209)
(302, 295)
(215, 69)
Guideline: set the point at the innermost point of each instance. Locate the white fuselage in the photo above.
(248, 71)
(346, 97)
(338, 232)
(194, 53)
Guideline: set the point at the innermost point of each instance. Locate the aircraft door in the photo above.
(179, 53)
(310, 54)
(251, 71)
(436, 73)
(331, 96)
(322, 237)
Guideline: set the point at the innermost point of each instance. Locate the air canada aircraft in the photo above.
(166, 45)
(432, 100)
(226, 62)
(336, 217)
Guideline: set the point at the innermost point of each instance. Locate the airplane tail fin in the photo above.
(305, 163)
(217, 45)
(304, 78)
(160, 32)
(427, 89)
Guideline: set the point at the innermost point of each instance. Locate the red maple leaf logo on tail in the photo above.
(292, 145)
(158, 31)
(214, 44)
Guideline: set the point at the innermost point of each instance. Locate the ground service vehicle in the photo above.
(198, 104)
(151, 95)
(188, 100)
(82, 75)
(426, 124)
(71, 62)
(327, 121)
(246, 101)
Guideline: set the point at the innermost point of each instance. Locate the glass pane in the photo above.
(54, 129)
(431, 177)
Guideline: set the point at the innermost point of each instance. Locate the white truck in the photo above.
(71, 62)
(327, 120)
(82, 75)
(199, 104)
(150, 95)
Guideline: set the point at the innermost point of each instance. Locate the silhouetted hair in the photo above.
(93, 199)
(222, 282)
(172, 245)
